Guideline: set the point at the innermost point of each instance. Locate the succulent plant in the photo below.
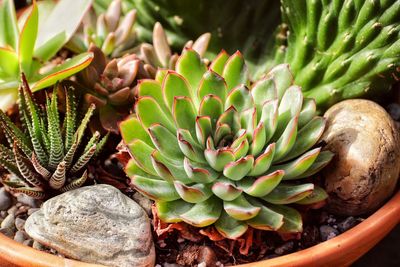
(111, 31)
(43, 157)
(159, 55)
(342, 49)
(211, 151)
(28, 48)
(110, 85)
(254, 30)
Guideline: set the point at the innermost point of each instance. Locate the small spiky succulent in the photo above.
(159, 54)
(342, 49)
(209, 150)
(44, 158)
(110, 85)
(28, 48)
(111, 31)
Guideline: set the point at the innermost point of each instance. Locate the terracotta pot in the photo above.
(339, 251)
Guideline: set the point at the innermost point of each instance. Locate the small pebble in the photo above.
(202, 264)
(5, 199)
(346, 224)
(19, 237)
(37, 245)
(327, 232)
(19, 224)
(3, 214)
(28, 242)
(7, 232)
(32, 210)
(206, 256)
(12, 210)
(26, 200)
(285, 248)
(8, 222)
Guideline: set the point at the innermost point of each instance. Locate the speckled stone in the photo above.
(96, 224)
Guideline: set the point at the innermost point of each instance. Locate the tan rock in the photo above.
(365, 169)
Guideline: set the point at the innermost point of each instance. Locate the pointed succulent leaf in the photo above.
(214, 84)
(263, 185)
(169, 169)
(75, 183)
(219, 62)
(141, 152)
(240, 98)
(171, 211)
(263, 90)
(269, 118)
(25, 44)
(229, 227)
(204, 213)
(175, 85)
(241, 209)
(151, 88)
(199, 173)
(307, 112)
(292, 222)
(165, 141)
(62, 71)
(286, 141)
(298, 166)
(212, 107)
(263, 161)
(193, 194)
(189, 146)
(235, 71)
(190, 66)
(131, 129)
(286, 194)
(317, 195)
(322, 160)
(8, 25)
(238, 169)
(184, 114)
(307, 137)
(226, 189)
(267, 219)
(155, 189)
(143, 105)
(219, 158)
(57, 180)
(203, 129)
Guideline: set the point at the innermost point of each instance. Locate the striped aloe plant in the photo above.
(211, 151)
(43, 157)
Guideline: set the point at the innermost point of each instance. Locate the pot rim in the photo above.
(340, 251)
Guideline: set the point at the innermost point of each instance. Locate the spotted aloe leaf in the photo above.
(212, 151)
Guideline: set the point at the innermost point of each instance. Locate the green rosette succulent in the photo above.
(342, 49)
(209, 150)
(27, 44)
(45, 157)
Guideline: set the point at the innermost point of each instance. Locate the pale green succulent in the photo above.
(111, 31)
(46, 157)
(28, 44)
(212, 151)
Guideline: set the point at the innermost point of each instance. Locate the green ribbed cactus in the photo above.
(212, 151)
(44, 158)
(342, 49)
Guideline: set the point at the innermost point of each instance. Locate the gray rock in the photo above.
(19, 237)
(12, 210)
(285, 248)
(37, 245)
(32, 210)
(144, 202)
(96, 224)
(29, 201)
(347, 223)
(8, 222)
(28, 242)
(19, 224)
(327, 232)
(7, 232)
(5, 199)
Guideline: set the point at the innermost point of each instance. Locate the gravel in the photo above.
(328, 232)
(5, 199)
